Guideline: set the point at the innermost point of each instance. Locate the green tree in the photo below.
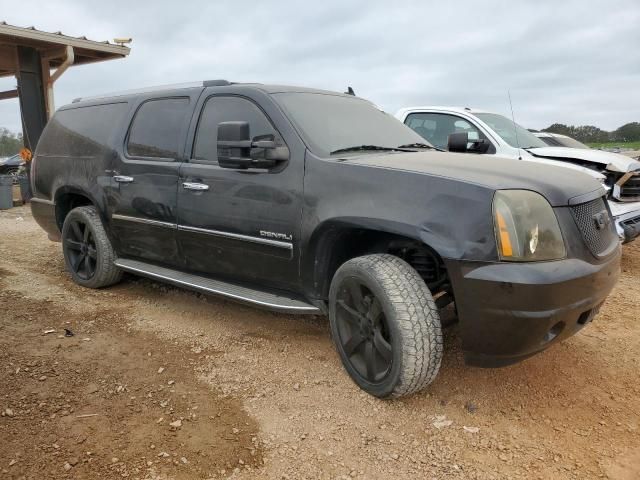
(559, 128)
(10, 143)
(629, 132)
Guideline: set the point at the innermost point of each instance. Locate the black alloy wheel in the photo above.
(363, 332)
(80, 248)
(385, 325)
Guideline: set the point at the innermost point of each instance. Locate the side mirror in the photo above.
(457, 142)
(236, 149)
(479, 146)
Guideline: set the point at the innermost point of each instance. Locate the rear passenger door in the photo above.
(242, 225)
(144, 180)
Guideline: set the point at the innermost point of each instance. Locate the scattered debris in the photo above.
(176, 424)
(442, 422)
(161, 369)
(68, 333)
(48, 331)
(471, 429)
(91, 388)
(87, 415)
(471, 407)
(164, 455)
(67, 466)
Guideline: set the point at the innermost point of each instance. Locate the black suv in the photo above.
(308, 201)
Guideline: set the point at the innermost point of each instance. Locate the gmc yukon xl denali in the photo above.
(308, 201)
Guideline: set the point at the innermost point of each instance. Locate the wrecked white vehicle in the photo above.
(476, 131)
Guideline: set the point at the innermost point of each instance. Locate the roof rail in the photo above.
(206, 83)
(216, 83)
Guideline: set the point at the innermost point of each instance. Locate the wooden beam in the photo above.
(6, 95)
(8, 58)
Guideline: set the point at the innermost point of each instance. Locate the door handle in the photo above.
(199, 187)
(122, 179)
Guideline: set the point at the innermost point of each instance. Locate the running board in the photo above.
(239, 293)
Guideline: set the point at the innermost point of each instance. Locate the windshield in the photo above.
(512, 133)
(334, 122)
(569, 142)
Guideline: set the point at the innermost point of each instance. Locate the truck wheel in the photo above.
(88, 253)
(385, 325)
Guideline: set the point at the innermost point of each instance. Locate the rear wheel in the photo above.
(385, 325)
(88, 254)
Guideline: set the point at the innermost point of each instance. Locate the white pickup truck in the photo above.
(476, 131)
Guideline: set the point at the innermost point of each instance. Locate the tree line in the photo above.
(10, 143)
(629, 132)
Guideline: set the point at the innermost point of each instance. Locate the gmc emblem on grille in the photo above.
(602, 220)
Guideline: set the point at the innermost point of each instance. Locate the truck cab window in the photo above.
(436, 127)
(227, 109)
(157, 128)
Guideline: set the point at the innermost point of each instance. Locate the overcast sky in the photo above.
(574, 62)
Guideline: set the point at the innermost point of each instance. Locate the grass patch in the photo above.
(631, 145)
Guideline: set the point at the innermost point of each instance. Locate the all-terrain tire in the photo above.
(105, 272)
(412, 321)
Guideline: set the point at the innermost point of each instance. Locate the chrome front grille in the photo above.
(596, 225)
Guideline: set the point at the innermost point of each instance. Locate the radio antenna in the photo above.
(515, 128)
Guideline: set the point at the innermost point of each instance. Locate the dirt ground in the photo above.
(161, 383)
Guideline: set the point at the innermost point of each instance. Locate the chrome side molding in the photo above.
(147, 221)
(237, 236)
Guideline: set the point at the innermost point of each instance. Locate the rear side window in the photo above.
(83, 131)
(157, 128)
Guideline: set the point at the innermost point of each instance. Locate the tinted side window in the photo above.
(436, 127)
(82, 131)
(157, 128)
(227, 109)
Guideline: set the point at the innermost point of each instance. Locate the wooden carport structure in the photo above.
(30, 55)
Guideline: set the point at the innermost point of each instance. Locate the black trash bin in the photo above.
(6, 192)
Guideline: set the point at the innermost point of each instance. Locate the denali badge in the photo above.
(279, 236)
(602, 220)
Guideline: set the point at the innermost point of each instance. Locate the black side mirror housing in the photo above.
(479, 146)
(236, 150)
(457, 142)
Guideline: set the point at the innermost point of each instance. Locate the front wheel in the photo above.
(88, 253)
(385, 325)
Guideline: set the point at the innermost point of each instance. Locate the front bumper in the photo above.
(626, 216)
(511, 311)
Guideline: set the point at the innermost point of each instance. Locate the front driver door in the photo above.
(436, 128)
(241, 224)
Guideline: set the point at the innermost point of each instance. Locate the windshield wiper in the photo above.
(363, 148)
(420, 145)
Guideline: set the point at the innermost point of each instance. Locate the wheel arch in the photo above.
(338, 240)
(67, 198)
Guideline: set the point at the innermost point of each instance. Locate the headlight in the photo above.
(526, 227)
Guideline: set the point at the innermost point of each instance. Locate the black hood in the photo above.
(560, 186)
